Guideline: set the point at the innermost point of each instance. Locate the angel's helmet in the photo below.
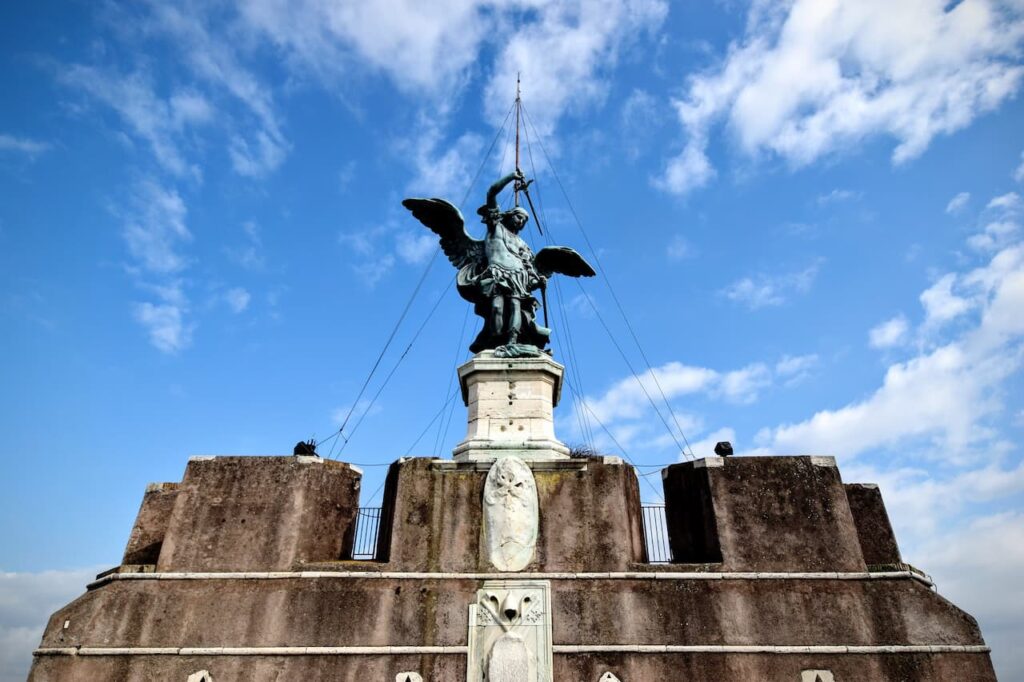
(515, 219)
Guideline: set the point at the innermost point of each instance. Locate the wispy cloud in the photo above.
(237, 299)
(22, 145)
(837, 196)
(625, 406)
(890, 333)
(764, 290)
(257, 144)
(679, 248)
(812, 79)
(154, 227)
(159, 122)
(249, 254)
(958, 203)
(154, 230)
(946, 393)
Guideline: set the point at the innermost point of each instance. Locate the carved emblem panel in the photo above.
(510, 514)
(510, 632)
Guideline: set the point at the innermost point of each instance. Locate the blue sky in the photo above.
(809, 211)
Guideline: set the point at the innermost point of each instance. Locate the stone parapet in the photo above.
(877, 541)
(258, 513)
(762, 514)
(589, 516)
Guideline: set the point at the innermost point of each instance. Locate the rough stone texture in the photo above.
(583, 667)
(589, 521)
(147, 534)
(877, 541)
(437, 668)
(259, 514)
(769, 514)
(773, 668)
(589, 516)
(510, 404)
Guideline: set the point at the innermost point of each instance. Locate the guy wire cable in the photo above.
(618, 305)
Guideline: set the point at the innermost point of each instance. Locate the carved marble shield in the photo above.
(510, 514)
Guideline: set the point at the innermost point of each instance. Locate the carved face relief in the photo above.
(510, 514)
(510, 632)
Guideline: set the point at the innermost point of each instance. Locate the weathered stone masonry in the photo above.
(240, 570)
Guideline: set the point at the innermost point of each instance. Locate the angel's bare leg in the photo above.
(498, 315)
(514, 320)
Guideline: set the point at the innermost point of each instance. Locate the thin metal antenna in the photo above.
(518, 106)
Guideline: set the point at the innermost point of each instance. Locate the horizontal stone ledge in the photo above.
(557, 648)
(403, 575)
(771, 649)
(251, 651)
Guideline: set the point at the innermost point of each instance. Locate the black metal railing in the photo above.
(364, 545)
(656, 534)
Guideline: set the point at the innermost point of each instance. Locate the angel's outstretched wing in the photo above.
(562, 260)
(446, 222)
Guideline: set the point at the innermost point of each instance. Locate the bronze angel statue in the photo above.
(498, 273)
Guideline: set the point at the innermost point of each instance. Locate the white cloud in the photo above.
(154, 227)
(1010, 201)
(679, 248)
(742, 385)
(442, 167)
(626, 403)
(420, 46)
(626, 399)
(771, 290)
(991, 590)
(237, 299)
(957, 203)
(157, 121)
(837, 196)
(257, 144)
(940, 303)
(892, 332)
(415, 248)
(561, 53)
(165, 323)
(948, 524)
(795, 369)
(561, 47)
(250, 254)
(26, 602)
(22, 145)
(945, 395)
(817, 77)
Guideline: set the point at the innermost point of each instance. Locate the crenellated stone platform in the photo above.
(785, 573)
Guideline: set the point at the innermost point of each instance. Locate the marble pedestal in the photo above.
(510, 403)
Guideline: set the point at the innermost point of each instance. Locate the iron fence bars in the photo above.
(368, 522)
(656, 534)
(364, 546)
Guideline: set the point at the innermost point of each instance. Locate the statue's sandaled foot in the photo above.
(517, 350)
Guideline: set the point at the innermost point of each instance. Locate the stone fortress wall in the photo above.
(512, 562)
(785, 573)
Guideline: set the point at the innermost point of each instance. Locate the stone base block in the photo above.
(510, 404)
